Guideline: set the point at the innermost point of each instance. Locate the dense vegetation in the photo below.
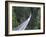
(20, 14)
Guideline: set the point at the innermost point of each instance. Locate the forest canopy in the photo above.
(20, 14)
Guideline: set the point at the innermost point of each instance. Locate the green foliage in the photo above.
(20, 14)
(35, 20)
(15, 23)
